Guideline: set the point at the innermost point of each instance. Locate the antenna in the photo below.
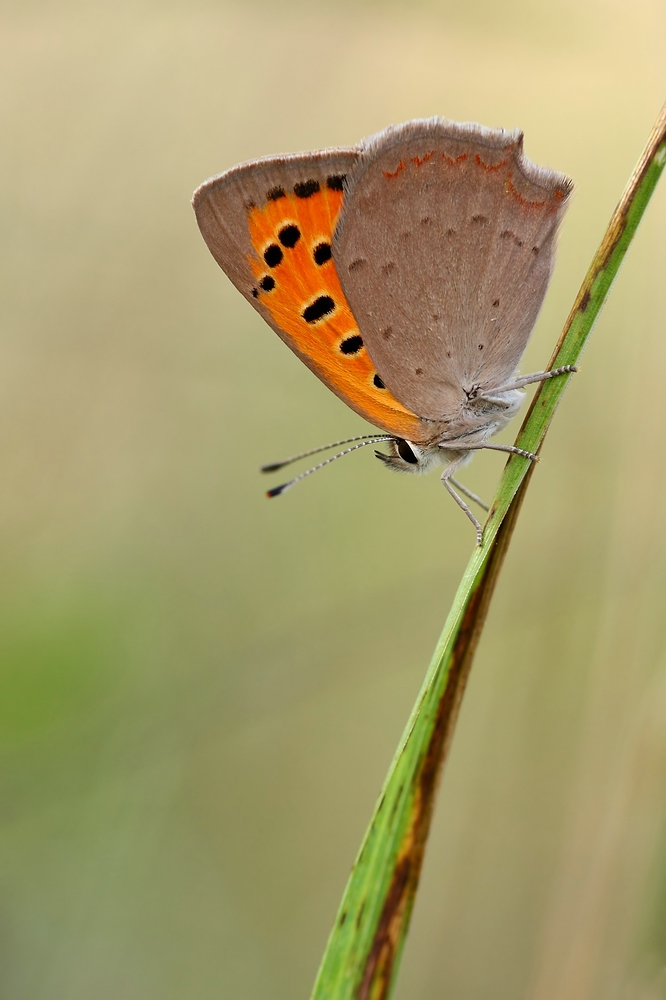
(274, 466)
(292, 482)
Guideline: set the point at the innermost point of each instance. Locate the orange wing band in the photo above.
(296, 280)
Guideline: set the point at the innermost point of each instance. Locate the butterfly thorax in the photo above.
(479, 418)
(479, 415)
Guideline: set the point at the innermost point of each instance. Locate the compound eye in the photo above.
(406, 453)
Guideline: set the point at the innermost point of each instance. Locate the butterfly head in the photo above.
(405, 456)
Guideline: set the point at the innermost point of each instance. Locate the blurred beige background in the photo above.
(201, 690)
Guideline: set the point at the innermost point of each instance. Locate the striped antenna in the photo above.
(274, 466)
(277, 490)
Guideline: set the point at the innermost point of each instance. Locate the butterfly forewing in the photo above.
(269, 224)
(444, 250)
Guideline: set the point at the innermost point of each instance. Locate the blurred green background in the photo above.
(200, 690)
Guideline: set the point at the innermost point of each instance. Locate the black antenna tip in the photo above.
(273, 467)
(275, 492)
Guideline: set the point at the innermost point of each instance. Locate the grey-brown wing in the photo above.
(444, 250)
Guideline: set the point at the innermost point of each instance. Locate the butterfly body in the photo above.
(406, 272)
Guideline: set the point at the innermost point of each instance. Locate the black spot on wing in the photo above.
(378, 382)
(275, 194)
(321, 307)
(306, 189)
(273, 255)
(267, 283)
(336, 182)
(352, 345)
(289, 236)
(322, 253)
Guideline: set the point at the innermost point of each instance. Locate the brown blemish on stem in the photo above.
(377, 974)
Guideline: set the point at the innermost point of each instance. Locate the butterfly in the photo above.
(406, 272)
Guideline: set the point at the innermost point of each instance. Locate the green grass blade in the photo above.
(363, 951)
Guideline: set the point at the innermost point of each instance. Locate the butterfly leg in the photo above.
(523, 380)
(446, 479)
(510, 448)
(484, 446)
(468, 493)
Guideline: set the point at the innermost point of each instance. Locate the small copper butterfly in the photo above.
(406, 272)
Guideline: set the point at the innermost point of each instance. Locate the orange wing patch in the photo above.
(297, 282)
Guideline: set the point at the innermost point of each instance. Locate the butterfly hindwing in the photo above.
(445, 248)
(269, 224)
